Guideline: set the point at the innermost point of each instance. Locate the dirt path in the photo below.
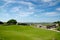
(53, 30)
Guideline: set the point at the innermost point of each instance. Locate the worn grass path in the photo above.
(16, 32)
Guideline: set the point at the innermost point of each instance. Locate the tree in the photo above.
(58, 28)
(58, 22)
(12, 21)
(1, 22)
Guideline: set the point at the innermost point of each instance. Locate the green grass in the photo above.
(16, 32)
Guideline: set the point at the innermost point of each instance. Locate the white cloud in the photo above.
(20, 2)
(46, 0)
(58, 9)
(18, 11)
(52, 3)
(29, 4)
(37, 15)
(48, 3)
(9, 0)
(24, 14)
(31, 8)
(51, 14)
(15, 9)
(27, 12)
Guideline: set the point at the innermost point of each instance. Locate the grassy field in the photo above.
(16, 32)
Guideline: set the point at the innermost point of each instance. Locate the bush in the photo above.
(12, 21)
(22, 24)
(1, 22)
(58, 28)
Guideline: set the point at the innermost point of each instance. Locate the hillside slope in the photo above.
(16, 32)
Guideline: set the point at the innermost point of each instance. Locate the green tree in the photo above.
(58, 22)
(58, 28)
(12, 21)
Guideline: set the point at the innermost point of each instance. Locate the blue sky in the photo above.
(30, 10)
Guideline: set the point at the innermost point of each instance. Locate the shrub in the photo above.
(58, 28)
(22, 24)
(1, 22)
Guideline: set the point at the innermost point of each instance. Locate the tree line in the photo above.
(12, 22)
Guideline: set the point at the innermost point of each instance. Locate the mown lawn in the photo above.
(16, 32)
